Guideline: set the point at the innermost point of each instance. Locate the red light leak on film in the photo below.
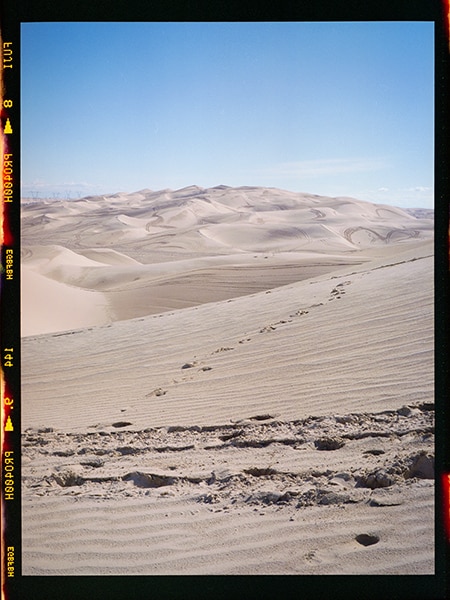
(447, 8)
(446, 503)
(8, 239)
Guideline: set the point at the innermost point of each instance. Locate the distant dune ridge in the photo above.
(130, 255)
(229, 381)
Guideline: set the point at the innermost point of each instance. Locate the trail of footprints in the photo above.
(379, 454)
(205, 464)
(199, 366)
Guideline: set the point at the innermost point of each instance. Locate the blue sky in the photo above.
(327, 108)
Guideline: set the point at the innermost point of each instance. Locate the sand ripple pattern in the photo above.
(229, 477)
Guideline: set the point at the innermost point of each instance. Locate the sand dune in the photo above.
(230, 410)
(149, 252)
(49, 305)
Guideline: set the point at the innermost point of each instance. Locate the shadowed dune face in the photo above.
(130, 255)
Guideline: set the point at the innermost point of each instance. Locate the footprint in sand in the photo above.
(157, 392)
(367, 539)
(189, 365)
(330, 555)
(300, 312)
(338, 291)
(222, 349)
(264, 417)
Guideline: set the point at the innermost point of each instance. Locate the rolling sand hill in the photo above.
(227, 381)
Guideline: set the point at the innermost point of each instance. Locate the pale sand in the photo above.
(282, 406)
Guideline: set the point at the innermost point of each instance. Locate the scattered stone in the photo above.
(346, 419)
(125, 450)
(230, 436)
(375, 473)
(264, 497)
(326, 497)
(173, 448)
(93, 462)
(68, 478)
(208, 498)
(222, 474)
(378, 479)
(98, 451)
(407, 411)
(176, 428)
(422, 467)
(329, 443)
(260, 472)
(148, 480)
(64, 453)
(426, 406)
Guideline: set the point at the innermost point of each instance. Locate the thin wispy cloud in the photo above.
(419, 188)
(404, 197)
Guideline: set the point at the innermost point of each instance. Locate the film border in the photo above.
(12, 15)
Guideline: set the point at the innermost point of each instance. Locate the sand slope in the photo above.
(289, 430)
